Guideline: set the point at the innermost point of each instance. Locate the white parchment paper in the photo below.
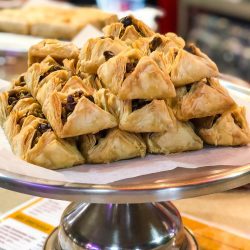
(107, 173)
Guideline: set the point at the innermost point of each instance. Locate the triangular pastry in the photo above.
(142, 116)
(188, 68)
(112, 145)
(147, 81)
(137, 116)
(75, 114)
(132, 76)
(59, 50)
(39, 73)
(38, 144)
(177, 139)
(227, 129)
(98, 50)
(204, 98)
(128, 29)
(158, 43)
(9, 99)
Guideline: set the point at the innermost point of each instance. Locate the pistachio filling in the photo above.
(155, 43)
(40, 130)
(139, 103)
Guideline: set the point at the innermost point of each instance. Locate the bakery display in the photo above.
(51, 21)
(129, 92)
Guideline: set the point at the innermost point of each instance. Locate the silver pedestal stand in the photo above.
(128, 214)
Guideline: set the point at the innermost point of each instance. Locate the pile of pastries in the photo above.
(50, 21)
(128, 93)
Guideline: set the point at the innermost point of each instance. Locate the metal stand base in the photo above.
(124, 226)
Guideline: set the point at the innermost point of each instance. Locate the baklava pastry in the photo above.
(59, 50)
(189, 67)
(227, 129)
(112, 145)
(40, 73)
(142, 116)
(158, 43)
(23, 108)
(75, 114)
(177, 139)
(128, 29)
(134, 77)
(98, 50)
(202, 99)
(38, 144)
(9, 99)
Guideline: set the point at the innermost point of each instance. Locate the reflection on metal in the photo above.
(128, 226)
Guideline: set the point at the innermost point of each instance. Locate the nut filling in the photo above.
(15, 96)
(40, 130)
(51, 69)
(237, 121)
(69, 106)
(155, 43)
(127, 21)
(139, 103)
(108, 54)
(36, 112)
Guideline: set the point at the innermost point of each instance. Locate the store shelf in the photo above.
(232, 8)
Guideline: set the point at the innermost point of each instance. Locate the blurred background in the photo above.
(221, 28)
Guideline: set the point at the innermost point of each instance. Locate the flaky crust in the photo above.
(153, 117)
(146, 81)
(159, 43)
(50, 151)
(128, 33)
(116, 145)
(188, 68)
(91, 55)
(86, 118)
(205, 98)
(178, 139)
(57, 49)
(230, 129)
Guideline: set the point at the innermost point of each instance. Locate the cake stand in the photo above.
(134, 213)
(128, 214)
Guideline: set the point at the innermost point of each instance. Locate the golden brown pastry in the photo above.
(158, 43)
(13, 21)
(132, 76)
(128, 29)
(40, 73)
(23, 108)
(142, 116)
(9, 99)
(136, 115)
(189, 67)
(227, 129)
(75, 114)
(177, 139)
(58, 50)
(201, 99)
(112, 145)
(98, 50)
(38, 144)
